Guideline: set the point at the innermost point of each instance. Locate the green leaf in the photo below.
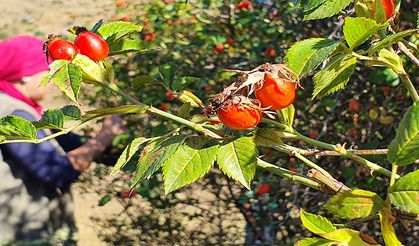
(268, 137)
(392, 60)
(124, 46)
(404, 149)
(190, 162)
(237, 159)
(315, 223)
(71, 112)
(66, 76)
(154, 155)
(180, 82)
(189, 97)
(142, 80)
(315, 241)
(91, 71)
(286, 115)
(354, 204)
(334, 77)
(51, 119)
(125, 109)
(113, 31)
(387, 230)
(311, 4)
(358, 30)
(404, 194)
(2, 138)
(53, 69)
(167, 74)
(105, 199)
(349, 237)
(16, 127)
(185, 110)
(128, 153)
(304, 56)
(326, 9)
(387, 41)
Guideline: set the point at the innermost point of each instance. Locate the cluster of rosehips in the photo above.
(86, 43)
(276, 90)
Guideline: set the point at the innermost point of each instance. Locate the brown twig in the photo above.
(315, 152)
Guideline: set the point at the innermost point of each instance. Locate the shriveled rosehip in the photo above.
(389, 8)
(92, 45)
(270, 52)
(276, 93)
(60, 49)
(239, 114)
(263, 189)
(218, 48)
(245, 4)
(353, 106)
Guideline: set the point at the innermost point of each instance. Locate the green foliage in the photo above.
(114, 31)
(125, 109)
(286, 115)
(316, 223)
(386, 220)
(304, 56)
(154, 155)
(315, 241)
(128, 45)
(389, 40)
(404, 194)
(16, 127)
(268, 137)
(334, 77)
(67, 77)
(349, 237)
(192, 160)
(324, 9)
(237, 159)
(403, 150)
(358, 30)
(354, 204)
(91, 72)
(128, 153)
(52, 118)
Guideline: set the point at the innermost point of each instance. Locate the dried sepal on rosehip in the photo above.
(239, 113)
(57, 48)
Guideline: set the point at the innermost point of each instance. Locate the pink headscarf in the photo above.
(20, 56)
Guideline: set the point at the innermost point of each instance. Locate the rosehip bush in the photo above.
(256, 108)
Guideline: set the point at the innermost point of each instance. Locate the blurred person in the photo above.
(35, 202)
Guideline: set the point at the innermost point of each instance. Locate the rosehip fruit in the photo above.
(240, 113)
(60, 49)
(276, 93)
(92, 45)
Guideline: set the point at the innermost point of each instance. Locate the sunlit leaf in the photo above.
(304, 56)
(192, 160)
(326, 9)
(316, 223)
(387, 41)
(349, 237)
(113, 31)
(354, 204)
(387, 230)
(404, 149)
(404, 194)
(237, 159)
(128, 153)
(16, 127)
(358, 30)
(334, 77)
